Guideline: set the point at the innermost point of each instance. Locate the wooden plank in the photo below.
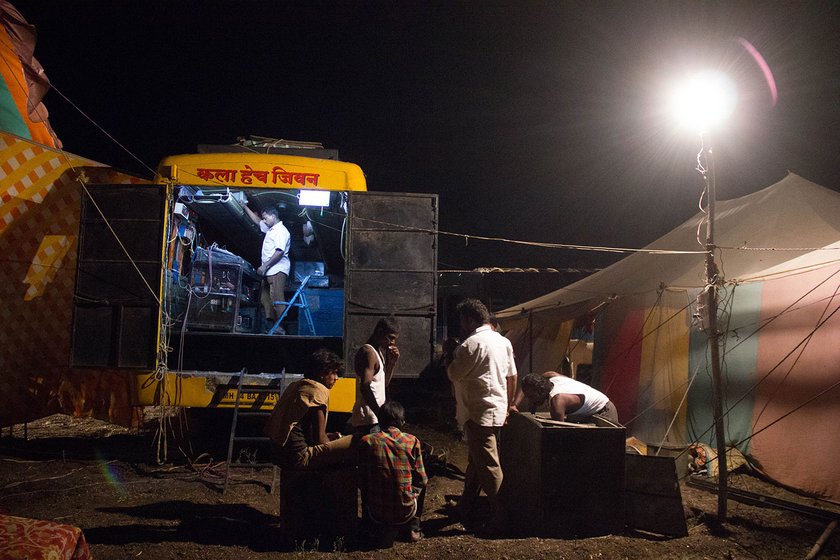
(651, 475)
(652, 497)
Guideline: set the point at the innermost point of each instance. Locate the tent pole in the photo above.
(712, 281)
(530, 343)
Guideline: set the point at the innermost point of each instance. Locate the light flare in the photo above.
(111, 473)
(765, 68)
(704, 101)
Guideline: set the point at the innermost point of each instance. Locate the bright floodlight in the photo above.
(314, 198)
(704, 101)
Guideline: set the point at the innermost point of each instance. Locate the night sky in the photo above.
(539, 121)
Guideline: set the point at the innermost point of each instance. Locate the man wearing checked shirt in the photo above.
(393, 479)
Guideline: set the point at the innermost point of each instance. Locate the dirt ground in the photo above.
(107, 481)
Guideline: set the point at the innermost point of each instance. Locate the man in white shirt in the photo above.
(483, 375)
(275, 263)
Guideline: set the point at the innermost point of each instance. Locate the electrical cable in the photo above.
(400, 227)
(101, 129)
(343, 238)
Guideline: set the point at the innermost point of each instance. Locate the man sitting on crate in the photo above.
(392, 478)
(275, 263)
(567, 398)
(297, 426)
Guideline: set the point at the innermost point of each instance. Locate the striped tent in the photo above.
(779, 255)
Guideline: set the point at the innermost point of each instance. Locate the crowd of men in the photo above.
(392, 476)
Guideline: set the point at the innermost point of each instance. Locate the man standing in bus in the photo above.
(275, 263)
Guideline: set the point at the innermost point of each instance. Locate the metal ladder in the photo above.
(234, 438)
(298, 300)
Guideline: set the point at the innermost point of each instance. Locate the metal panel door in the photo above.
(391, 270)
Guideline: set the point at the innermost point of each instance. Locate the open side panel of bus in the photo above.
(218, 323)
(391, 270)
(116, 301)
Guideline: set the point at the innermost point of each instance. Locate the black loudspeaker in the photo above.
(392, 270)
(114, 336)
(118, 276)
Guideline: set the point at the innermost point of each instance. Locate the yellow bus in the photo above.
(159, 299)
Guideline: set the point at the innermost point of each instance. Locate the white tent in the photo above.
(779, 258)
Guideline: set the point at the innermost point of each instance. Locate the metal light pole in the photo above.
(702, 102)
(714, 335)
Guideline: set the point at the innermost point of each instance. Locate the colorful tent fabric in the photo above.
(40, 201)
(23, 82)
(779, 254)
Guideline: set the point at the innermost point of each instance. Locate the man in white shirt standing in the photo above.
(275, 263)
(483, 375)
